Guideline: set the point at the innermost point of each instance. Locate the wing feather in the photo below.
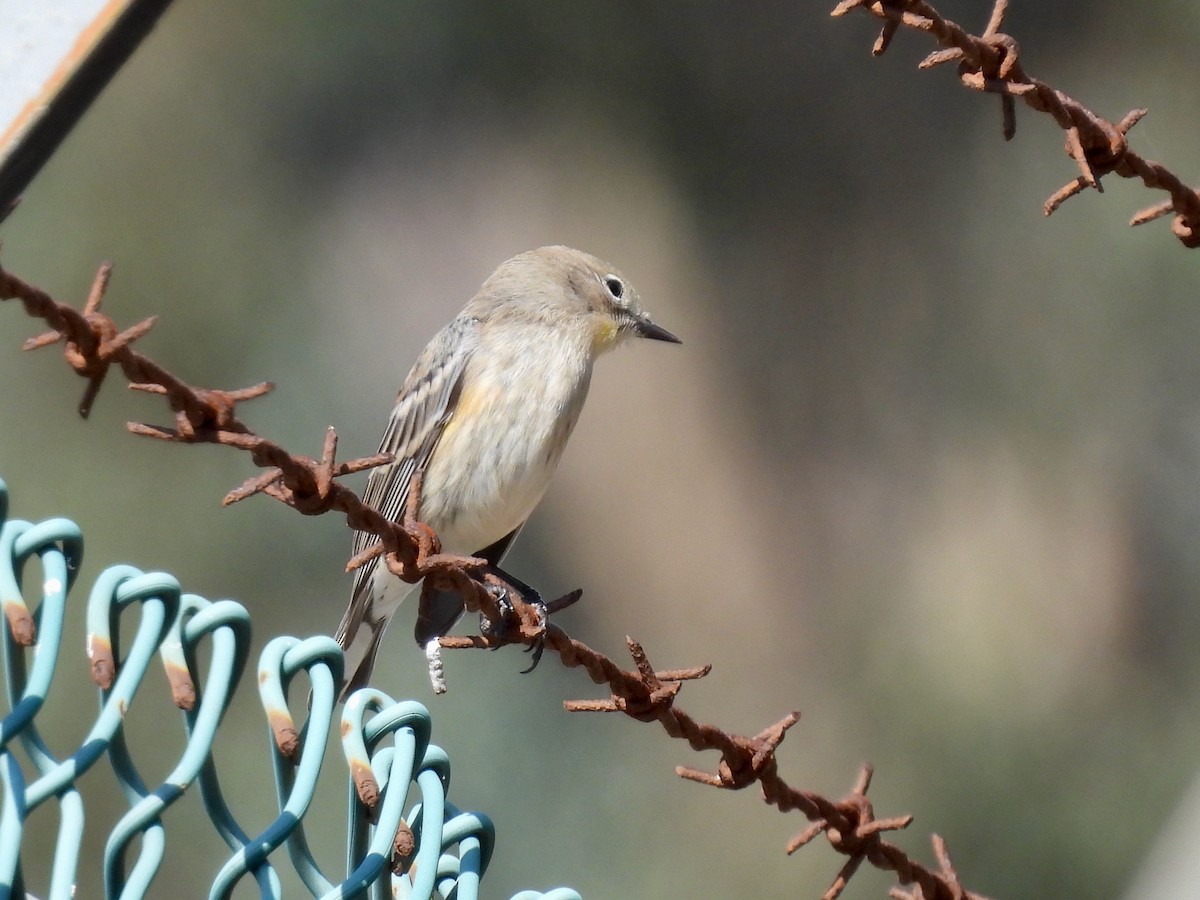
(424, 405)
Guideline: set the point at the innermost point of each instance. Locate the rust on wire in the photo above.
(283, 730)
(104, 666)
(365, 784)
(990, 63)
(20, 624)
(412, 551)
(183, 689)
(948, 876)
(404, 848)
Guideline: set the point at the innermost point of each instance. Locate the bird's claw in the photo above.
(538, 647)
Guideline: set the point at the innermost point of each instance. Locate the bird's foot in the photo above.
(510, 620)
(538, 647)
(492, 630)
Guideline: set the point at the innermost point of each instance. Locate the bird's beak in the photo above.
(647, 329)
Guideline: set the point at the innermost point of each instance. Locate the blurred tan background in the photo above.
(925, 468)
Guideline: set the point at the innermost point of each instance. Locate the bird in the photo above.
(483, 418)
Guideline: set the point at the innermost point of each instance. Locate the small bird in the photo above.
(484, 416)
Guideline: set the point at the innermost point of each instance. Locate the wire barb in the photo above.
(990, 62)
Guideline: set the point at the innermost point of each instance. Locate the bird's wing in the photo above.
(424, 405)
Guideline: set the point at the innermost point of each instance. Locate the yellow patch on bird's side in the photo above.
(605, 336)
(473, 400)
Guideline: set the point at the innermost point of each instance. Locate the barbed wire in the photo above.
(990, 62)
(411, 550)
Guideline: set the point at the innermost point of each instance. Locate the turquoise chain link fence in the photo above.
(395, 847)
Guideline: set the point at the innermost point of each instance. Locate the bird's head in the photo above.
(571, 289)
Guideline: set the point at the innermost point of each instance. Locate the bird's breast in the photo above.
(502, 444)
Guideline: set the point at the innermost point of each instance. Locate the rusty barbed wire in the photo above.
(93, 344)
(990, 62)
(412, 551)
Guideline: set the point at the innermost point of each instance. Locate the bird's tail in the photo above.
(360, 653)
(360, 632)
(443, 609)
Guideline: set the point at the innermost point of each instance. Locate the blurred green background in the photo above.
(925, 467)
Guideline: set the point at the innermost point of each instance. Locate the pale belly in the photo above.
(505, 446)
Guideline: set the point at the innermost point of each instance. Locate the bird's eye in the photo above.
(613, 283)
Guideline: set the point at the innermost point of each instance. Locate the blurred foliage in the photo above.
(924, 467)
